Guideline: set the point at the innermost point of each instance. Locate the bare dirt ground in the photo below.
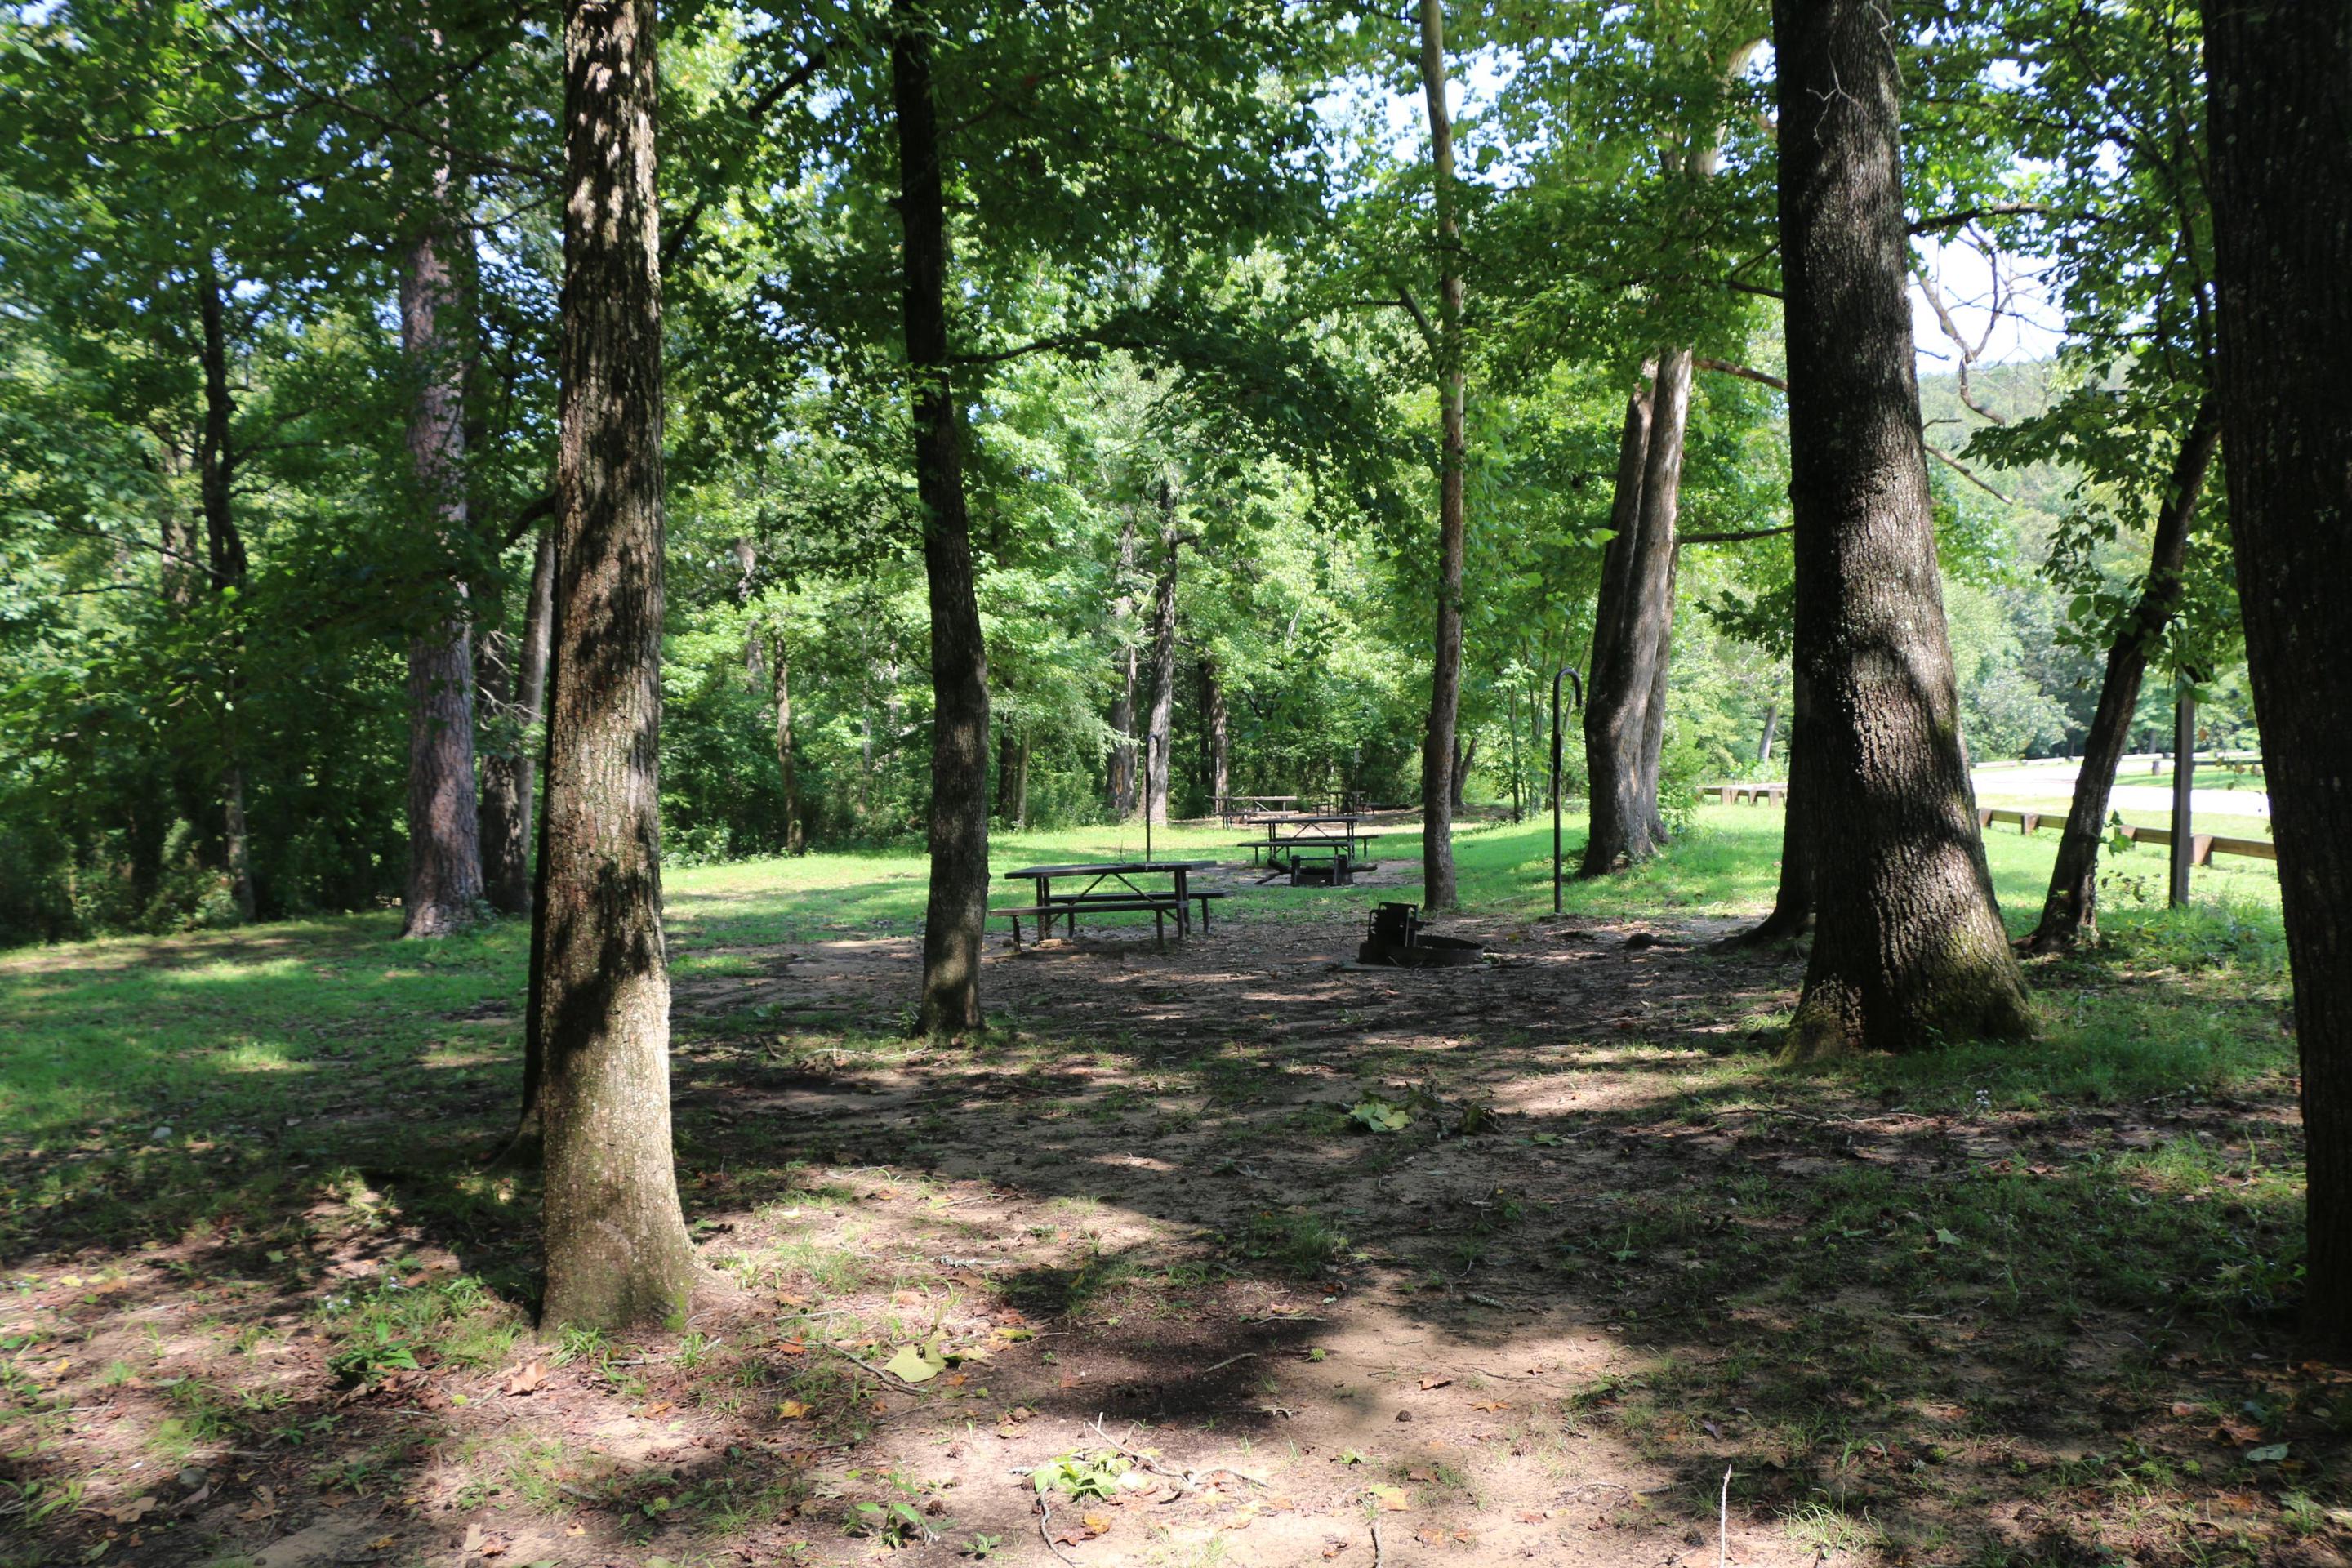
(1139, 1241)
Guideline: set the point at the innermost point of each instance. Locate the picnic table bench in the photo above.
(1123, 895)
(1335, 840)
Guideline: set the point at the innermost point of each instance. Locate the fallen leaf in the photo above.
(791, 1410)
(2268, 1454)
(1391, 1498)
(527, 1379)
(134, 1511)
(2182, 1407)
(1533, 1516)
(264, 1504)
(1419, 1476)
(1490, 1405)
(792, 1347)
(1429, 1383)
(915, 1363)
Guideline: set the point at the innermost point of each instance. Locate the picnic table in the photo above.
(1338, 837)
(1110, 886)
(1237, 808)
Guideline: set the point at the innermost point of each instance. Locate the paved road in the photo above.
(2055, 780)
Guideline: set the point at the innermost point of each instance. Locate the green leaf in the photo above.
(915, 1363)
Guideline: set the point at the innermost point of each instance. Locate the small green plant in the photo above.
(982, 1546)
(1081, 1475)
(1379, 1116)
(895, 1525)
(373, 1354)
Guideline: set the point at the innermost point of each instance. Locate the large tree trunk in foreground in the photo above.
(1909, 947)
(2072, 907)
(957, 912)
(445, 847)
(1159, 729)
(2279, 87)
(1438, 792)
(617, 1253)
(1636, 609)
(1653, 718)
(517, 688)
(225, 559)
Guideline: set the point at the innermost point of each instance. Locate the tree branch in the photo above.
(1965, 472)
(1967, 215)
(1734, 536)
(1725, 367)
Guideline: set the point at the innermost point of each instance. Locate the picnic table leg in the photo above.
(1159, 926)
(1183, 914)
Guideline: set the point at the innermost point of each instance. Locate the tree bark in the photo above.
(780, 660)
(444, 849)
(1627, 682)
(1466, 756)
(617, 1253)
(958, 908)
(224, 558)
(1122, 704)
(1911, 951)
(2278, 84)
(1220, 730)
(516, 694)
(1160, 730)
(2071, 909)
(1772, 731)
(1438, 791)
(1654, 714)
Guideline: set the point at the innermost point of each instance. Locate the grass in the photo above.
(283, 1124)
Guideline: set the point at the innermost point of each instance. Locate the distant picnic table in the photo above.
(1110, 888)
(1335, 840)
(1233, 809)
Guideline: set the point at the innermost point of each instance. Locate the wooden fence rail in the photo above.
(2202, 846)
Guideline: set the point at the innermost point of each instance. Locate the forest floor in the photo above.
(1230, 1252)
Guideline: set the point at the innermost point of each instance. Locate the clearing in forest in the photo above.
(1231, 1252)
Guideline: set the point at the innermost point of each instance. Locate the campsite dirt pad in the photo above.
(1263, 1257)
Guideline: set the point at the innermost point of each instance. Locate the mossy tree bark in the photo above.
(2279, 90)
(2071, 908)
(1908, 946)
(617, 1252)
(957, 912)
(1438, 889)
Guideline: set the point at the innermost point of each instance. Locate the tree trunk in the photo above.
(2072, 907)
(1466, 756)
(2282, 193)
(1159, 730)
(1911, 951)
(1772, 731)
(224, 558)
(510, 768)
(1792, 907)
(1122, 705)
(1438, 790)
(958, 910)
(780, 660)
(1221, 745)
(1627, 656)
(1654, 715)
(617, 1253)
(445, 847)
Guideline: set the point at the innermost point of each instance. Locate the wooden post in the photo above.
(2184, 773)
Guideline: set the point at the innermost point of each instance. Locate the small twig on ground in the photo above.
(1246, 1355)
(889, 1379)
(1045, 1531)
(1723, 1523)
(1377, 1553)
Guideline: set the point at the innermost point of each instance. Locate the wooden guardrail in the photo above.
(2202, 846)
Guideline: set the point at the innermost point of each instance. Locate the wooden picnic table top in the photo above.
(1277, 819)
(1108, 868)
